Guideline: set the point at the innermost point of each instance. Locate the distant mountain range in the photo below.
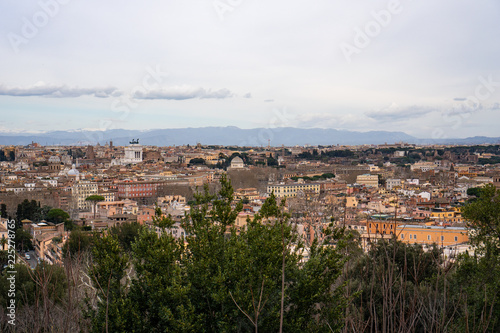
(230, 135)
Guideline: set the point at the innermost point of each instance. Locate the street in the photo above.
(32, 261)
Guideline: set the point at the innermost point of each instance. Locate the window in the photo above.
(414, 236)
(456, 239)
(442, 238)
(402, 236)
(410, 236)
(428, 237)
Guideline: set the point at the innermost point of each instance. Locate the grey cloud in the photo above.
(464, 108)
(471, 107)
(43, 90)
(394, 112)
(182, 93)
(219, 94)
(459, 99)
(247, 95)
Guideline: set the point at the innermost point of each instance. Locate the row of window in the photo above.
(355, 227)
(376, 226)
(296, 187)
(414, 237)
(139, 194)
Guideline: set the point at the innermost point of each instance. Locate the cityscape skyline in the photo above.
(425, 69)
(245, 166)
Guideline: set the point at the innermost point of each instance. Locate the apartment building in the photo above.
(138, 190)
(367, 180)
(291, 190)
(81, 191)
(425, 234)
(451, 215)
(392, 183)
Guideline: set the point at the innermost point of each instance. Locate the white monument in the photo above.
(133, 153)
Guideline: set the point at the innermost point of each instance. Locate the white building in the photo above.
(424, 166)
(391, 183)
(414, 181)
(425, 195)
(133, 154)
(49, 182)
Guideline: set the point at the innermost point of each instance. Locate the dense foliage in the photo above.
(226, 278)
(220, 278)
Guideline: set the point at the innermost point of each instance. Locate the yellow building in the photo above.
(423, 234)
(447, 214)
(351, 202)
(249, 193)
(108, 196)
(382, 226)
(367, 180)
(291, 190)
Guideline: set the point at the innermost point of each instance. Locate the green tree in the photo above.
(25, 286)
(31, 210)
(3, 242)
(3, 210)
(478, 274)
(256, 267)
(247, 279)
(4, 258)
(78, 242)
(272, 161)
(94, 199)
(483, 220)
(197, 161)
(107, 271)
(476, 290)
(474, 191)
(27, 210)
(42, 213)
(47, 283)
(205, 261)
(23, 239)
(159, 294)
(126, 233)
(393, 285)
(220, 277)
(57, 215)
(381, 180)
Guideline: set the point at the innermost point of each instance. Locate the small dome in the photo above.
(73, 171)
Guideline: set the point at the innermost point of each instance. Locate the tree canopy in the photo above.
(219, 278)
(57, 215)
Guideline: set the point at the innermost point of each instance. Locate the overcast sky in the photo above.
(428, 68)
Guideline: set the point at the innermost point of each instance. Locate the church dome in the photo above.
(73, 172)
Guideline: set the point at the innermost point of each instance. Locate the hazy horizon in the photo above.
(78, 130)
